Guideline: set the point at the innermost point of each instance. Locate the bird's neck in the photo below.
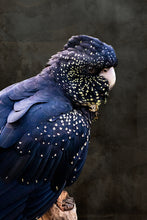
(48, 74)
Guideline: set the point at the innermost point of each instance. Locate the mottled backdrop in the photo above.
(114, 180)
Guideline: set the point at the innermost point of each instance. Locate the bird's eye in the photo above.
(91, 69)
(105, 70)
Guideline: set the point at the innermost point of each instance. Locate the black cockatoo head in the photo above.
(85, 70)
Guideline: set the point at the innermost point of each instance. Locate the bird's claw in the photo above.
(66, 204)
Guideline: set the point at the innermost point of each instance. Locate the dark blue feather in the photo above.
(44, 130)
(39, 141)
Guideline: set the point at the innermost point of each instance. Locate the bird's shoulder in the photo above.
(17, 100)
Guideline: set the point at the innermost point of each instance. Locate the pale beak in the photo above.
(109, 74)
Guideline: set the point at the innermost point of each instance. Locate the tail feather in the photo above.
(25, 202)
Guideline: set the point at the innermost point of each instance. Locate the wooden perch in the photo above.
(64, 209)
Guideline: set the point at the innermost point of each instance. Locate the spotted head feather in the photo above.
(77, 67)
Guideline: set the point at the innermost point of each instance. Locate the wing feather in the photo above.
(43, 137)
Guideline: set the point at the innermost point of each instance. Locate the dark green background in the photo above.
(114, 180)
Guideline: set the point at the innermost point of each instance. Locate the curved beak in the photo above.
(110, 75)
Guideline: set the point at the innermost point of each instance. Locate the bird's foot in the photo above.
(65, 202)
